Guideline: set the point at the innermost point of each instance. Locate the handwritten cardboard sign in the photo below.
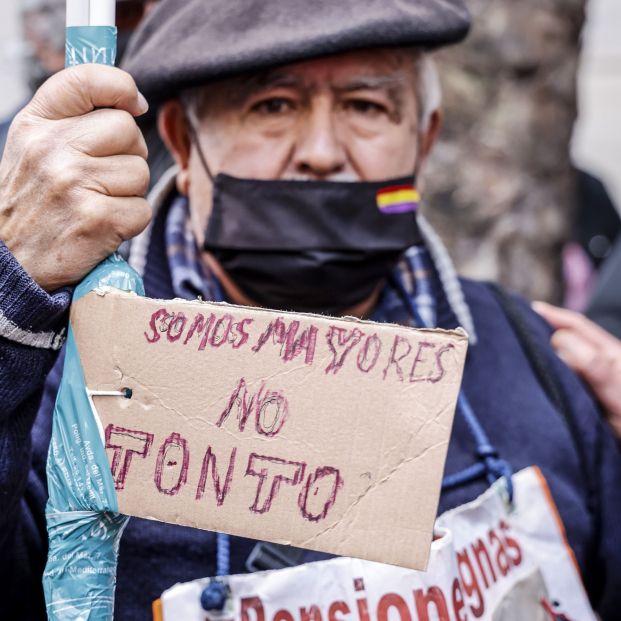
(322, 433)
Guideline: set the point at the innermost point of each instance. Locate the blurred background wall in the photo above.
(502, 187)
(12, 87)
(597, 138)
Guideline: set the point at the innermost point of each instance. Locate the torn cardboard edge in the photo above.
(103, 291)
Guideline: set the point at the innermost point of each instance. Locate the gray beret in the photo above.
(184, 43)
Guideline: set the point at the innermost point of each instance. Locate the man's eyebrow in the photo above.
(393, 85)
(372, 82)
(245, 86)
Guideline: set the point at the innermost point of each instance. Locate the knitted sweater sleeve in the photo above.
(32, 328)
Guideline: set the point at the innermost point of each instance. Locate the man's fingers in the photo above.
(117, 176)
(106, 132)
(127, 216)
(80, 90)
(560, 318)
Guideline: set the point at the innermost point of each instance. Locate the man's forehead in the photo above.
(373, 69)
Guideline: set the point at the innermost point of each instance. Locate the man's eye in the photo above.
(275, 105)
(364, 106)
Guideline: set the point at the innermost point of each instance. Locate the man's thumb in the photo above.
(80, 90)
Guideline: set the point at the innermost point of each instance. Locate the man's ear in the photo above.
(430, 135)
(172, 124)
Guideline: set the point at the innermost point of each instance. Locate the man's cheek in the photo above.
(383, 157)
(259, 156)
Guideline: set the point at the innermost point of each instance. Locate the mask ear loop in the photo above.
(194, 140)
(216, 594)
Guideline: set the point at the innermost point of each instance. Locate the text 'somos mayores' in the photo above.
(404, 359)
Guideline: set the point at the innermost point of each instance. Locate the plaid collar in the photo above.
(418, 272)
(190, 278)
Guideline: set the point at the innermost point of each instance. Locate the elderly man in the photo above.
(285, 119)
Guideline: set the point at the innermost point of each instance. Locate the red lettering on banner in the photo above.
(369, 353)
(463, 596)
(341, 343)
(433, 596)
(363, 609)
(262, 466)
(480, 550)
(470, 584)
(512, 544)
(396, 357)
(126, 443)
(156, 324)
(220, 489)
(336, 609)
(312, 488)
(252, 603)
(167, 464)
(310, 614)
(502, 560)
(393, 600)
(458, 601)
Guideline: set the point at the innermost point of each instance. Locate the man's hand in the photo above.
(74, 174)
(590, 351)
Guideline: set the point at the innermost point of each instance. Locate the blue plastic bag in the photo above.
(83, 526)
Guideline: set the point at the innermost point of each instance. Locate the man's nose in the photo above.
(319, 152)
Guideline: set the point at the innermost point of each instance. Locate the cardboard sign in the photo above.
(322, 433)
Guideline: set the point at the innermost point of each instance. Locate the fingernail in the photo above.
(142, 103)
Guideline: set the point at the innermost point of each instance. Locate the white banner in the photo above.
(490, 562)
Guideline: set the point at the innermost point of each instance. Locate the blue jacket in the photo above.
(499, 381)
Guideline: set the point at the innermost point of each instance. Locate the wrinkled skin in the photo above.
(74, 174)
(346, 117)
(593, 353)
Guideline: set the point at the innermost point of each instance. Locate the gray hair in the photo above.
(428, 88)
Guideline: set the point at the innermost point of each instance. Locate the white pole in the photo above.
(102, 13)
(78, 12)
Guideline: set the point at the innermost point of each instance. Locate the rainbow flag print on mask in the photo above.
(398, 199)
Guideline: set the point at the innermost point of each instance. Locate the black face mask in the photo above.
(310, 246)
